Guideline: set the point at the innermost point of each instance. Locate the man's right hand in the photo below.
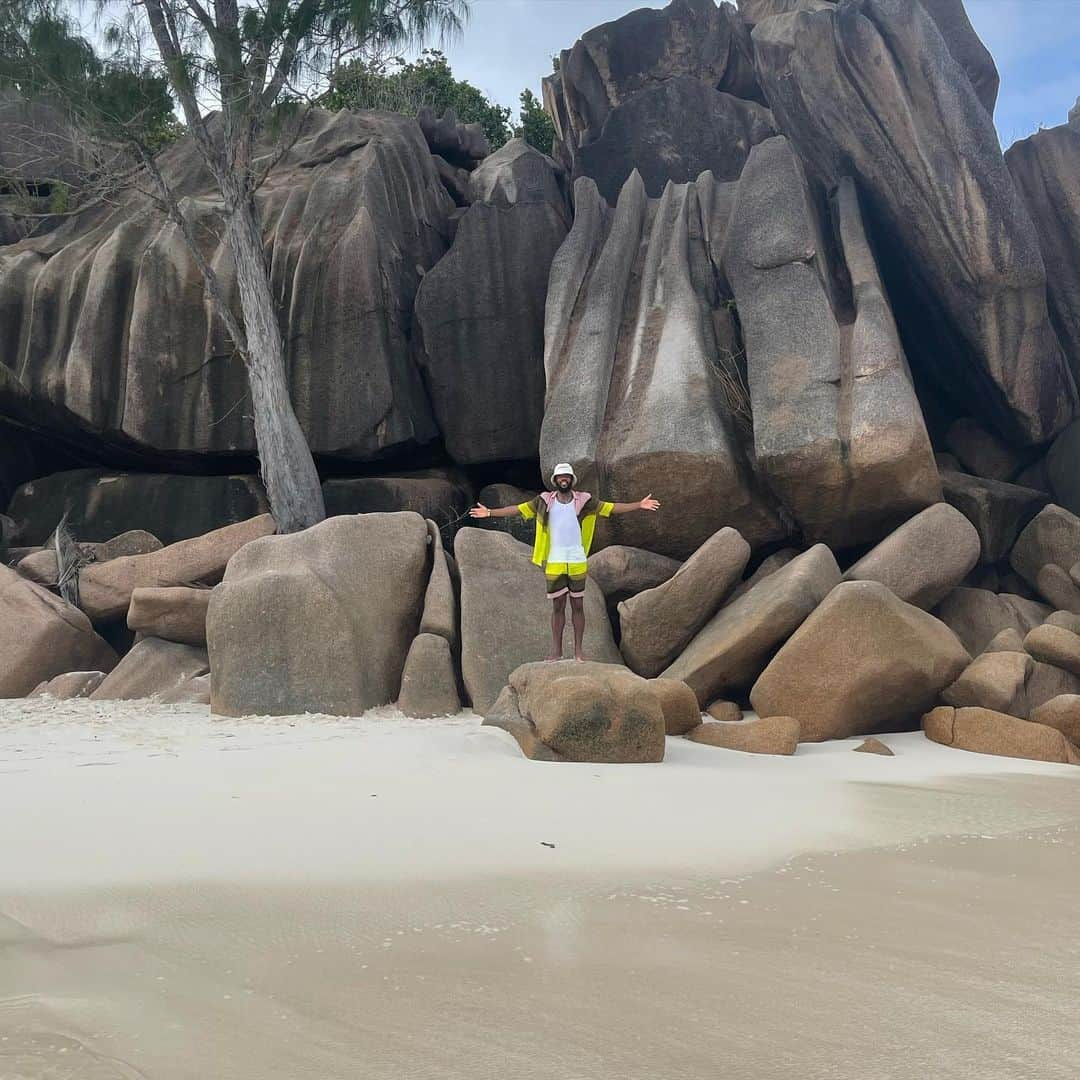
(480, 511)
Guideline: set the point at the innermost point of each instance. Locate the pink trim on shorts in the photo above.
(577, 595)
(562, 592)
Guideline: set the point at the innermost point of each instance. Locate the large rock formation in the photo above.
(321, 620)
(636, 336)
(670, 93)
(837, 428)
(480, 311)
(104, 323)
(870, 89)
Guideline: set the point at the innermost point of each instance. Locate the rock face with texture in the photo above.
(320, 620)
(102, 504)
(72, 684)
(505, 614)
(670, 92)
(766, 735)
(176, 613)
(622, 572)
(582, 712)
(153, 668)
(440, 614)
(993, 680)
(734, 647)
(1044, 168)
(1055, 645)
(923, 560)
(1052, 539)
(998, 511)
(429, 494)
(838, 431)
(480, 310)
(636, 331)
(41, 636)
(864, 662)
(1063, 713)
(870, 89)
(1063, 466)
(681, 709)
(657, 624)
(41, 565)
(977, 616)
(986, 732)
(105, 326)
(428, 681)
(105, 589)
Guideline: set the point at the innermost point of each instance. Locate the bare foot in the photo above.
(579, 658)
(552, 658)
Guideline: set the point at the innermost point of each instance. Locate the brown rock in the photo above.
(769, 565)
(1061, 712)
(1007, 641)
(1065, 619)
(977, 616)
(862, 663)
(681, 709)
(1047, 682)
(440, 614)
(583, 712)
(622, 571)
(194, 690)
(72, 684)
(766, 735)
(175, 613)
(105, 589)
(152, 668)
(993, 680)
(983, 453)
(733, 648)
(1052, 537)
(657, 624)
(41, 566)
(1055, 645)
(986, 732)
(42, 635)
(320, 620)
(506, 616)
(925, 559)
(1058, 587)
(429, 681)
(873, 746)
(998, 511)
(725, 711)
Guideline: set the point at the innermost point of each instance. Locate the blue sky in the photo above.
(1036, 43)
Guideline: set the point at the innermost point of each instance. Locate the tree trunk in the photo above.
(288, 470)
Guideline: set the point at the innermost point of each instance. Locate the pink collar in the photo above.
(580, 499)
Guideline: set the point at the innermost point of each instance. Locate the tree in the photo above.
(261, 64)
(536, 127)
(398, 86)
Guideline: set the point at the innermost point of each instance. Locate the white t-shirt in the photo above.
(565, 530)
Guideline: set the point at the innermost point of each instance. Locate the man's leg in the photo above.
(577, 614)
(558, 625)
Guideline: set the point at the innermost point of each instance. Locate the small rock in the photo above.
(72, 684)
(1009, 640)
(1055, 645)
(873, 746)
(766, 735)
(725, 711)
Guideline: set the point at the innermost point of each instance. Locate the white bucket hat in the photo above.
(564, 468)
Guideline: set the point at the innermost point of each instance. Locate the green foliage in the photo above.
(536, 127)
(397, 86)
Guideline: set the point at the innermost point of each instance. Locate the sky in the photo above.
(508, 45)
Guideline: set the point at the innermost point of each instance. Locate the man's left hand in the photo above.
(649, 503)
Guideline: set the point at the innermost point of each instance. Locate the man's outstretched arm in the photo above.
(481, 511)
(648, 503)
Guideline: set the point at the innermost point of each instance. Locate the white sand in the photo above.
(184, 897)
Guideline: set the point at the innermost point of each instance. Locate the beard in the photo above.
(564, 485)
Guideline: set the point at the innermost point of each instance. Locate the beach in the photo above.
(183, 896)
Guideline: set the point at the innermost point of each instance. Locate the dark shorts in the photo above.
(563, 578)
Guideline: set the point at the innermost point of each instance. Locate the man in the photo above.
(565, 523)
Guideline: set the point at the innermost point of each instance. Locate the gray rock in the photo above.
(966, 277)
(495, 495)
(622, 571)
(769, 565)
(518, 174)
(838, 431)
(1046, 682)
(429, 681)
(1062, 713)
(40, 566)
(1058, 588)
(998, 511)
(967, 48)
(103, 504)
(505, 614)
(1008, 640)
(1068, 619)
(152, 668)
(458, 143)
(864, 662)
(1063, 465)
(42, 636)
(320, 620)
(635, 393)
(735, 646)
(657, 624)
(923, 560)
(441, 496)
(72, 684)
(1055, 645)
(440, 614)
(1053, 536)
(176, 613)
(983, 453)
(582, 712)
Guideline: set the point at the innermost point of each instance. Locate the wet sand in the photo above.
(897, 918)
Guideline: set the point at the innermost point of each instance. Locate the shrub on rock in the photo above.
(41, 636)
(986, 732)
(863, 662)
(320, 620)
(570, 711)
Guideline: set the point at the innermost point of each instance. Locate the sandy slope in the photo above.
(374, 897)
